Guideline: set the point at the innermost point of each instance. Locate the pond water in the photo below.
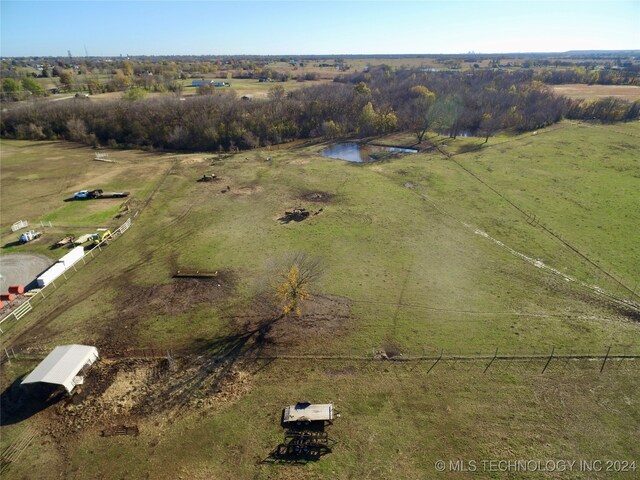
(362, 153)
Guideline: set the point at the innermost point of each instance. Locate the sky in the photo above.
(97, 28)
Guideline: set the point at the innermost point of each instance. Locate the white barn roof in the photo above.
(62, 365)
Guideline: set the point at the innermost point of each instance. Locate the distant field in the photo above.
(420, 255)
(579, 91)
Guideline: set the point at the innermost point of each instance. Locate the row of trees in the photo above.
(365, 104)
(622, 76)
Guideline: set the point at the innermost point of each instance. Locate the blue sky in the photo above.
(51, 28)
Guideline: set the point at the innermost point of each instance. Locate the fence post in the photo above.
(550, 357)
(605, 359)
(436, 362)
(492, 360)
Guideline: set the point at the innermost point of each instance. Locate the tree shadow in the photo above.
(206, 370)
(20, 402)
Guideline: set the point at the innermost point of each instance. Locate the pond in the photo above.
(362, 153)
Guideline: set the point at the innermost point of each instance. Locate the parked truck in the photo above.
(29, 236)
(98, 193)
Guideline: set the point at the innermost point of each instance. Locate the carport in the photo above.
(62, 366)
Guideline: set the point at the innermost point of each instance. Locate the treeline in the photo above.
(365, 104)
(629, 75)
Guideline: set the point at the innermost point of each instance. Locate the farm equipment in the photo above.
(64, 241)
(98, 193)
(29, 236)
(305, 436)
(100, 236)
(208, 178)
(297, 214)
(83, 239)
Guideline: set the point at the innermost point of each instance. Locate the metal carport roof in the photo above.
(62, 365)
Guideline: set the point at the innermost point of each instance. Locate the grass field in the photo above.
(630, 93)
(420, 255)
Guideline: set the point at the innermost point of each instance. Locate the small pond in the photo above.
(362, 153)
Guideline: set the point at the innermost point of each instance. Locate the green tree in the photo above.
(127, 68)
(367, 122)
(295, 282)
(444, 114)
(362, 89)
(135, 93)
(10, 85)
(420, 119)
(32, 86)
(66, 79)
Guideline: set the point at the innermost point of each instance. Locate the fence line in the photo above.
(600, 359)
(28, 304)
(20, 224)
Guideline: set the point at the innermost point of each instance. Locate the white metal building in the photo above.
(62, 365)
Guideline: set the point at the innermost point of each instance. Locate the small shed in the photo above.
(308, 412)
(62, 366)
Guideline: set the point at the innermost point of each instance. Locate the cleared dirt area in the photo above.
(173, 298)
(579, 91)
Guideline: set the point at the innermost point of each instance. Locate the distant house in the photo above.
(199, 83)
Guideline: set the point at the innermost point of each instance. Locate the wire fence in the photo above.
(36, 296)
(537, 360)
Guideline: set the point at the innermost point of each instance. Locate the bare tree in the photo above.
(294, 283)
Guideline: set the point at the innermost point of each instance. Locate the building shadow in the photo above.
(20, 402)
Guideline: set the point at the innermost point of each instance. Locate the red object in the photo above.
(1, 305)
(9, 297)
(17, 289)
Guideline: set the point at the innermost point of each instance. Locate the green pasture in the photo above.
(428, 253)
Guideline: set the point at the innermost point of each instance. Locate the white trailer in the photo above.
(51, 274)
(73, 257)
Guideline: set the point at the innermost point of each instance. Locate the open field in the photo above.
(630, 93)
(497, 248)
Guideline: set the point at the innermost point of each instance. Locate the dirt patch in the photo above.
(319, 197)
(119, 395)
(178, 296)
(174, 298)
(322, 316)
(412, 185)
(192, 160)
(246, 190)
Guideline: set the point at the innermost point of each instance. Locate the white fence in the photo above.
(20, 224)
(27, 305)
